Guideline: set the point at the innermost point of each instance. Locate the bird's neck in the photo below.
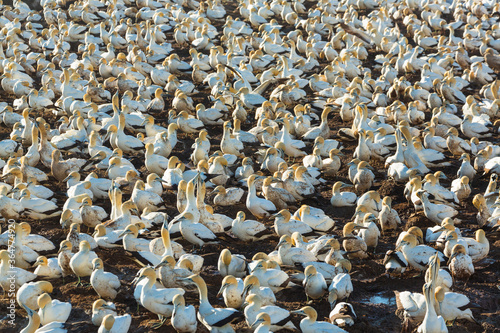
(202, 289)
(166, 242)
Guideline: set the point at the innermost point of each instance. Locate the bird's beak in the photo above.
(137, 280)
(359, 227)
(106, 137)
(452, 256)
(257, 322)
(246, 289)
(184, 279)
(221, 290)
(161, 264)
(279, 244)
(64, 223)
(107, 170)
(96, 157)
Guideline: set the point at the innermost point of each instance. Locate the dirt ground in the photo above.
(373, 297)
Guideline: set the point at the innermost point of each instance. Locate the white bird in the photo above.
(52, 310)
(314, 283)
(104, 283)
(285, 225)
(64, 257)
(412, 305)
(395, 262)
(214, 319)
(435, 212)
(75, 237)
(259, 207)
(22, 276)
(227, 197)
(452, 305)
(280, 318)
(249, 230)
(418, 256)
(47, 268)
(442, 279)
(143, 198)
(479, 246)
(169, 271)
(315, 218)
(37, 208)
(183, 317)
(342, 199)
(232, 290)
(432, 322)
(460, 263)
(370, 233)
(100, 309)
(388, 217)
(106, 239)
(252, 285)
(34, 324)
(131, 242)
(340, 288)
(451, 240)
(310, 325)
(461, 188)
(262, 323)
(288, 255)
(113, 324)
(275, 279)
(195, 233)
(231, 264)
(81, 262)
(155, 163)
(439, 192)
(157, 300)
(342, 314)
(28, 294)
